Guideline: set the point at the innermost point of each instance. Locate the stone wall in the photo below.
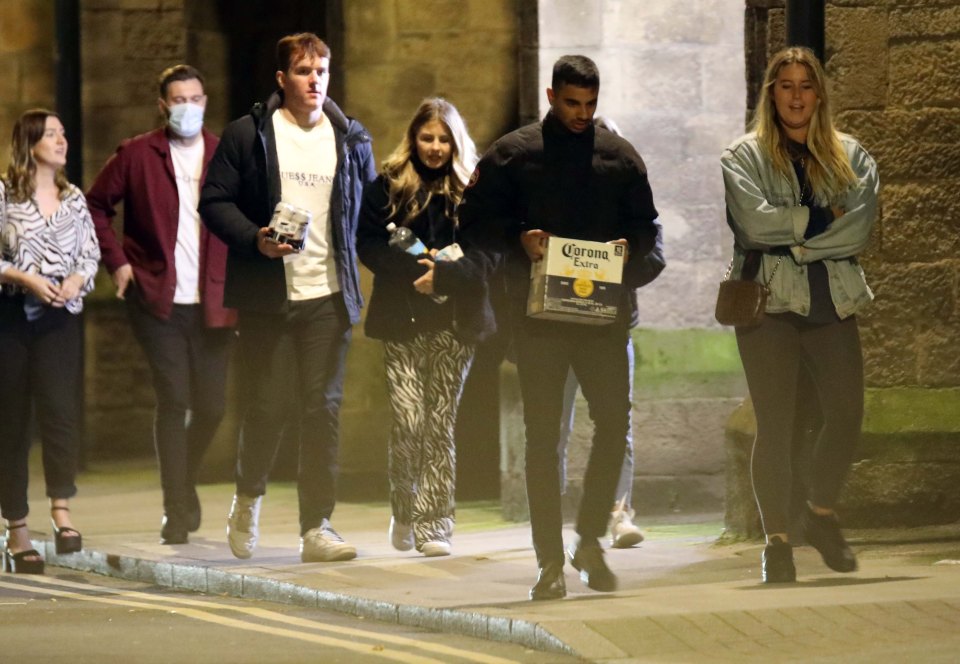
(894, 87)
(27, 75)
(396, 52)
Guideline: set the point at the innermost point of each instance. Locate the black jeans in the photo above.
(41, 366)
(293, 367)
(772, 354)
(598, 356)
(188, 362)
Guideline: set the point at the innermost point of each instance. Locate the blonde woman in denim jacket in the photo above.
(802, 197)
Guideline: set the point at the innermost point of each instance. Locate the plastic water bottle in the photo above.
(403, 238)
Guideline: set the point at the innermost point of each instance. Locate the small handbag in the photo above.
(742, 302)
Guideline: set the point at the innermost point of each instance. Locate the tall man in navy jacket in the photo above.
(170, 271)
(564, 177)
(296, 309)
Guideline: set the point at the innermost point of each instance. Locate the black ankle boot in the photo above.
(823, 533)
(193, 510)
(586, 556)
(174, 528)
(778, 562)
(550, 584)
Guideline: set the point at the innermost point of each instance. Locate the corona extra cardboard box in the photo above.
(576, 281)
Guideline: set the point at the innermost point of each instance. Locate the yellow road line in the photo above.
(236, 624)
(294, 621)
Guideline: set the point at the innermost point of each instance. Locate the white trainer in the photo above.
(324, 545)
(401, 535)
(243, 529)
(434, 549)
(623, 534)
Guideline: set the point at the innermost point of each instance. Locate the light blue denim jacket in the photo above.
(764, 211)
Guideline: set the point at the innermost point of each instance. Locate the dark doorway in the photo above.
(252, 28)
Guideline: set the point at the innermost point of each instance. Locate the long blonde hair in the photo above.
(829, 172)
(404, 183)
(21, 179)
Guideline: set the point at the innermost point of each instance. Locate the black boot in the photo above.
(193, 510)
(778, 562)
(174, 528)
(550, 584)
(823, 533)
(586, 556)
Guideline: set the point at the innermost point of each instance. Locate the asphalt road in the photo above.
(77, 618)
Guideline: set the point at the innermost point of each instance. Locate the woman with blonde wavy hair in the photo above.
(429, 313)
(801, 201)
(48, 260)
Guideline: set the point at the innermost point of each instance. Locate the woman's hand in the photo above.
(69, 290)
(424, 283)
(837, 212)
(39, 287)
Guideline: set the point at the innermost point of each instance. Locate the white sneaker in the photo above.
(324, 545)
(433, 549)
(243, 530)
(401, 535)
(623, 534)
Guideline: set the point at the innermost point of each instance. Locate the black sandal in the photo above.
(20, 563)
(66, 539)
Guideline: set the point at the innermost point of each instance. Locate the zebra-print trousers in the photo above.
(425, 378)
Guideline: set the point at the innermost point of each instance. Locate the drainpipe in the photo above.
(68, 102)
(805, 24)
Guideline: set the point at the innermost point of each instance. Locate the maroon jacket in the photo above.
(141, 175)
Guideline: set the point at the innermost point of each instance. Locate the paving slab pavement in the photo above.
(683, 596)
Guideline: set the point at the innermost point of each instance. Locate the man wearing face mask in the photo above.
(170, 271)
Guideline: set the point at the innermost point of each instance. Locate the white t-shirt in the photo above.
(308, 164)
(188, 167)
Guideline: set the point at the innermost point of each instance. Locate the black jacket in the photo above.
(243, 187)
(588, 186)
(397, 312)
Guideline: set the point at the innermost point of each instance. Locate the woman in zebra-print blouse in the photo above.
(429, 313)
(48, 260)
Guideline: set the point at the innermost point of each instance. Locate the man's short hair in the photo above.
(578, 70)
(177, 73)
(293, 48)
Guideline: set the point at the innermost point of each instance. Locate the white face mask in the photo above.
(186, 120)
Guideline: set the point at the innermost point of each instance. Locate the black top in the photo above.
(397, 312)
(821, 302)
(588, 186)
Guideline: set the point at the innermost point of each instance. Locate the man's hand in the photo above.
(69, 290)
(626, 248)
(271, 249)
(122, 278)
(533, 243)
(424, 283)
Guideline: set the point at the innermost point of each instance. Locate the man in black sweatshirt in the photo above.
(564, 177)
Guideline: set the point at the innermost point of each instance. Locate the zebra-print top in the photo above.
(57, 247)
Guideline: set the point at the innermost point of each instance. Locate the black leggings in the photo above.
(772, 354)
